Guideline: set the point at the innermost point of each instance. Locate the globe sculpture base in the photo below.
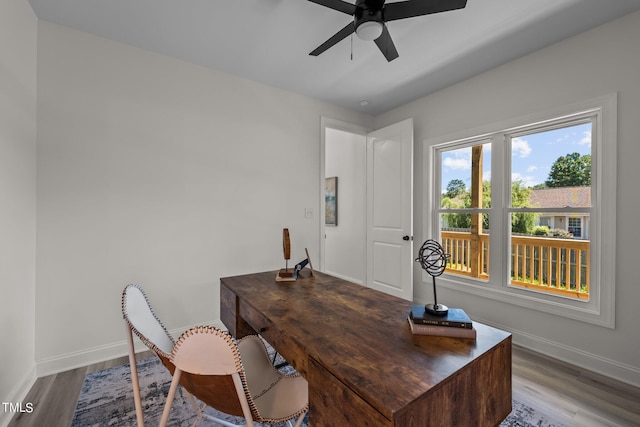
(436, 309)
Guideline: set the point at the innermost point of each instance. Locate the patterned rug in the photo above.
(106, 399)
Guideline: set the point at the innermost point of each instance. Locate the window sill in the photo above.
(584, 311)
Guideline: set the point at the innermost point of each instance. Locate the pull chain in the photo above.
(352, 46)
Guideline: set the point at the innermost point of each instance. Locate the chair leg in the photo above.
(243, 399)
(300, 419)
(172, 392)
(194, 405)
(134, 378)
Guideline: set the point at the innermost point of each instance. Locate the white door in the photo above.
(390, 209)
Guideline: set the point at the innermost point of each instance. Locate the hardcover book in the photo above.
(442, 331)
(456, 317)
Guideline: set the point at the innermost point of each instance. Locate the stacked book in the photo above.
(455, 324)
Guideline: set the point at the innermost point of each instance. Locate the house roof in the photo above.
(573, 197)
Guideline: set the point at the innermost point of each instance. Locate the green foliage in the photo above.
(559, 233)
(570, 171)
(555, 232)
(455, 187)
(486, 194)
(521, 222)
(541, 230)
(519, 195)
(455, 220)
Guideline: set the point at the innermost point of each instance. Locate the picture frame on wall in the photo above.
(331, 201)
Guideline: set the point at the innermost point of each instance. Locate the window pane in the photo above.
(468, 252)
(458, 177)
(551, 259)
(552, 169)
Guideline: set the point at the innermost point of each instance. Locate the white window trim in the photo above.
(600, 309)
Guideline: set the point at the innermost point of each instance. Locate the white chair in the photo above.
(140, 319)
(265, 394)
(217, 391)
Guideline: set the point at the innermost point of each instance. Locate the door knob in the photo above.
(406, 238)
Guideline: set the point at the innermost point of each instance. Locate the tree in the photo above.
(462, 200)
(457, 220)
(455, 187)
(521, 222)
(571, 170)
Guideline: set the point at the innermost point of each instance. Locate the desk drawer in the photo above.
(254, 318)
(335, 404)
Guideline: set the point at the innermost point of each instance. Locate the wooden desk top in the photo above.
(361, 336)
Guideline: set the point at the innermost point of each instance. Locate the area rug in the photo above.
(106, 399)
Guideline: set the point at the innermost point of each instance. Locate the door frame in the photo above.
(327, 122)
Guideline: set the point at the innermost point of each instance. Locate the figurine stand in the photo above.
(434, 261)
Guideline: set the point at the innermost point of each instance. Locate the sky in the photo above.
(532, 156)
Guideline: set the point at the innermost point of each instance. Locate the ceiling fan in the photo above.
(370, 18)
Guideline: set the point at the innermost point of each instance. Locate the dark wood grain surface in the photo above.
(352, 342)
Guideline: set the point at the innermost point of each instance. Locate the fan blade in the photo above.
(386, 46)
(347, 30)
(411, 8)
(339, 5)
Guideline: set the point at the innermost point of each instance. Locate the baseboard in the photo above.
(18, 394)
(588, 361)
(343, 277)
(65, 362)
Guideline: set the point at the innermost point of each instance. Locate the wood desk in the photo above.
(363, 365)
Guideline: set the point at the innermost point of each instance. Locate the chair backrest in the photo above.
(212, 370)
(206, 350)
(138, 314)
(212, 353)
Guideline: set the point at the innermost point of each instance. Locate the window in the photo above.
(465, 204)
(524, 208)
(575, 227)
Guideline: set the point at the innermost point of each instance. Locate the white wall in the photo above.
(155, 171)
(598, 62)
(160, 172)
(345, 156)
(18, 45)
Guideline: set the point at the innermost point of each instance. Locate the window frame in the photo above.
(580, 226)
(600, 308)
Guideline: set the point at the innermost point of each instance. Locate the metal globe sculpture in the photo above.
(434, 261)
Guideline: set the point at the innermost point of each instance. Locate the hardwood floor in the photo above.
(571, 395)
(564, 392)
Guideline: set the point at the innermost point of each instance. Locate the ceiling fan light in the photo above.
(369, 30)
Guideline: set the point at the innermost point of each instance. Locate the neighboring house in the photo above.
(575, 197)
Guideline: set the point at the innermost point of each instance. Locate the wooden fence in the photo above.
(559, 266)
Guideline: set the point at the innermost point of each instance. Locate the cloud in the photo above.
(457, 163)
(532, 168)
(527, 181)
(520, 148)
(586, 139)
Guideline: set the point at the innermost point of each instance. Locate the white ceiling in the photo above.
(269, 40)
